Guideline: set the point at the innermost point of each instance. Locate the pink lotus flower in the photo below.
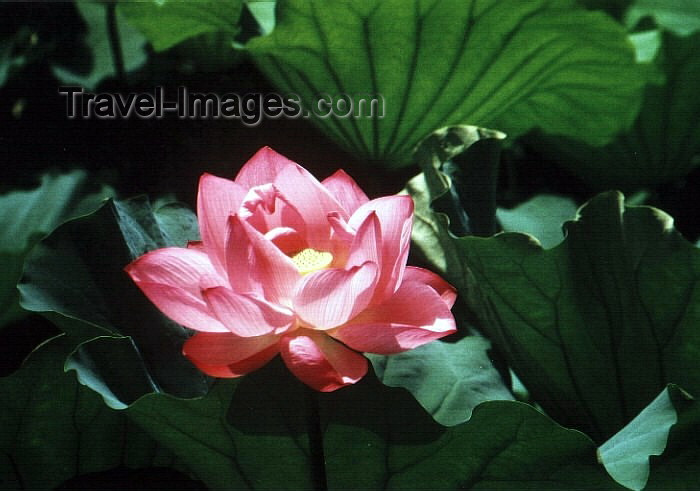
(312, 270)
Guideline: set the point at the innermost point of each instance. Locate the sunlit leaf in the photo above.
(626, 455)
(646, 45)
(509, 65)
(448, 379)
(263, 11)
(542, 216)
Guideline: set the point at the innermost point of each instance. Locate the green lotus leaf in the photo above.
(448, 379)
(541, 216)
(595, 327)
(102, 65)
(664, 142)
(626, 455)
(27, 216)
(509, 65)
(53, 429)
(166, 23)
(369, 437)
(125, 347)
(679, 16)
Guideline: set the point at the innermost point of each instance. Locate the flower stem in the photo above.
(114, 42)
(318, 459)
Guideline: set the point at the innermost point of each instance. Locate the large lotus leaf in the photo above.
(626, 455)
(448, 379)
(505, 445)
(27, 216)
(89, 73)
(510, 65)
(52, 428)
(372, 437)
(76, 278)
(596, 326)
(663, 144)
(167, 23)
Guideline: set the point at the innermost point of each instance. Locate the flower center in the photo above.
(310, 260)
